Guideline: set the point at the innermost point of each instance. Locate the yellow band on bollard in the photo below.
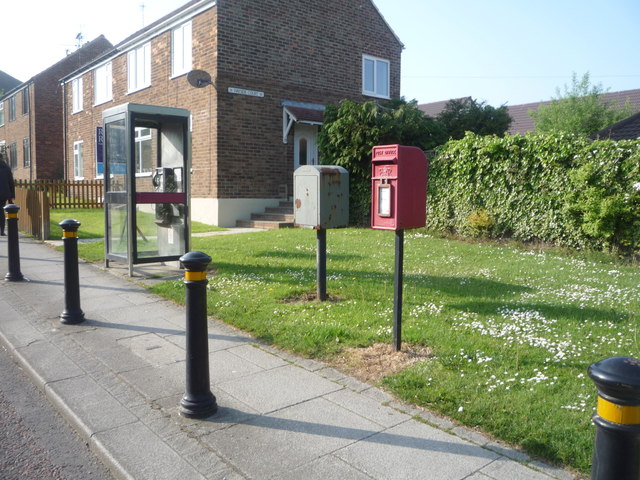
(12, 215)
(622, 414)
(195, 276)
(69, 234)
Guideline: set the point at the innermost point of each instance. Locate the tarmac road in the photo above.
(36, 443)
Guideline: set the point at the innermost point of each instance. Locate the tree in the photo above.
(581, 110)
(469, 115)
(352, 129)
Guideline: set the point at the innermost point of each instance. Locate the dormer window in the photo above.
(375, 77)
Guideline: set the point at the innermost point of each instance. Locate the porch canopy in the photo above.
(300, 112)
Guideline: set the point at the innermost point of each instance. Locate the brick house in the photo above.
(31, 119)
(274, 66)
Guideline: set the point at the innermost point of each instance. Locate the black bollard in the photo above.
(13, 246)
(616, 453)
(198, 401)
(72, 313)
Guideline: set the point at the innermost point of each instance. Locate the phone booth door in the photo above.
(146, 183)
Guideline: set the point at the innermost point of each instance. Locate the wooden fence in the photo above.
(68, 194)
(33, 217)
(35, 198)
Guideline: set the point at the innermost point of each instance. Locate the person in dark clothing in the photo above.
(7, 189)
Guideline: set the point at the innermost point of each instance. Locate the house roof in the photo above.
(7, 82)
(627, 129)
(522, 122)
(434, 109)
(74, 60)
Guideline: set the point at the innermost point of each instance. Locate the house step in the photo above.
(272, 218)
(269, 225)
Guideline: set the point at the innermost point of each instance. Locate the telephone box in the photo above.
(321, 196)
(146, 181)
(398, 187)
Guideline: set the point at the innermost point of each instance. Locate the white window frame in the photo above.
(12, 108)
(1, 113)
(102, 86)
(141, 135)
(372, 83)
(182, 49)
(78, 160)
(26, 152)
(77, 93)
(139, 68)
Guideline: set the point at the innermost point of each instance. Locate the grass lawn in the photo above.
(92, 222)
(511, 331)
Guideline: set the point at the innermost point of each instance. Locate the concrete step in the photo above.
(273, 217)
(269, 225)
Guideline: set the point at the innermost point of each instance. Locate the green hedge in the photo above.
(555, 188)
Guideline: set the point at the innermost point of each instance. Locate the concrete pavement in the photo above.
(119, 376)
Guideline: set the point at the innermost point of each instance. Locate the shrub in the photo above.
(557, 188)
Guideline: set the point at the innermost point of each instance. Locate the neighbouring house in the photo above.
(7, 82)
(274, 66)
(31, 117)
(522, 121)
(627, 129)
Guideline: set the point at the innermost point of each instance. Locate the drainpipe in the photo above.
(64, 130)
(32, 91)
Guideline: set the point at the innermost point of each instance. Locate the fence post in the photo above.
(72, 313)
(198, 401)
(616, 453)
(13, 247)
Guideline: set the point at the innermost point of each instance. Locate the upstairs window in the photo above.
(181, 57)
(25, 101)
(375, 77)
(139, 67)
(1, 113)
(102, 84)
(76, 95)
(12, 108)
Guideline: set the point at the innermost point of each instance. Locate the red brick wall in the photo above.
(164, 91)
(44, 123)
(305, 50)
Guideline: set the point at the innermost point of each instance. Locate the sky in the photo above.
(497, 51)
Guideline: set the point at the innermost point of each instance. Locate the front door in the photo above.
(305, 148)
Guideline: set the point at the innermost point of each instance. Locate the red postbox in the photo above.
(398, 187)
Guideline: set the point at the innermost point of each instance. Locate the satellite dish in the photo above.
(199, 78)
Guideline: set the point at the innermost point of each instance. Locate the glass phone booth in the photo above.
(146, 181)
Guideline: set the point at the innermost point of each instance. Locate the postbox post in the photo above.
(322, 264)
(397, 290)
(72, 313)
(13, 246)
(616, 453)
(198, 401)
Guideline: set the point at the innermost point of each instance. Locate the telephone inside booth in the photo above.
(146, 183)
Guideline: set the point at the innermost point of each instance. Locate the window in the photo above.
(139, 67)
(76, 95)
(12, 108)
(181, 58)
(375, 77)
(143, 150)
(13, 156)
(25, 101)
(1, 113)
(78, 160)
(26, 152)
(102, 84)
